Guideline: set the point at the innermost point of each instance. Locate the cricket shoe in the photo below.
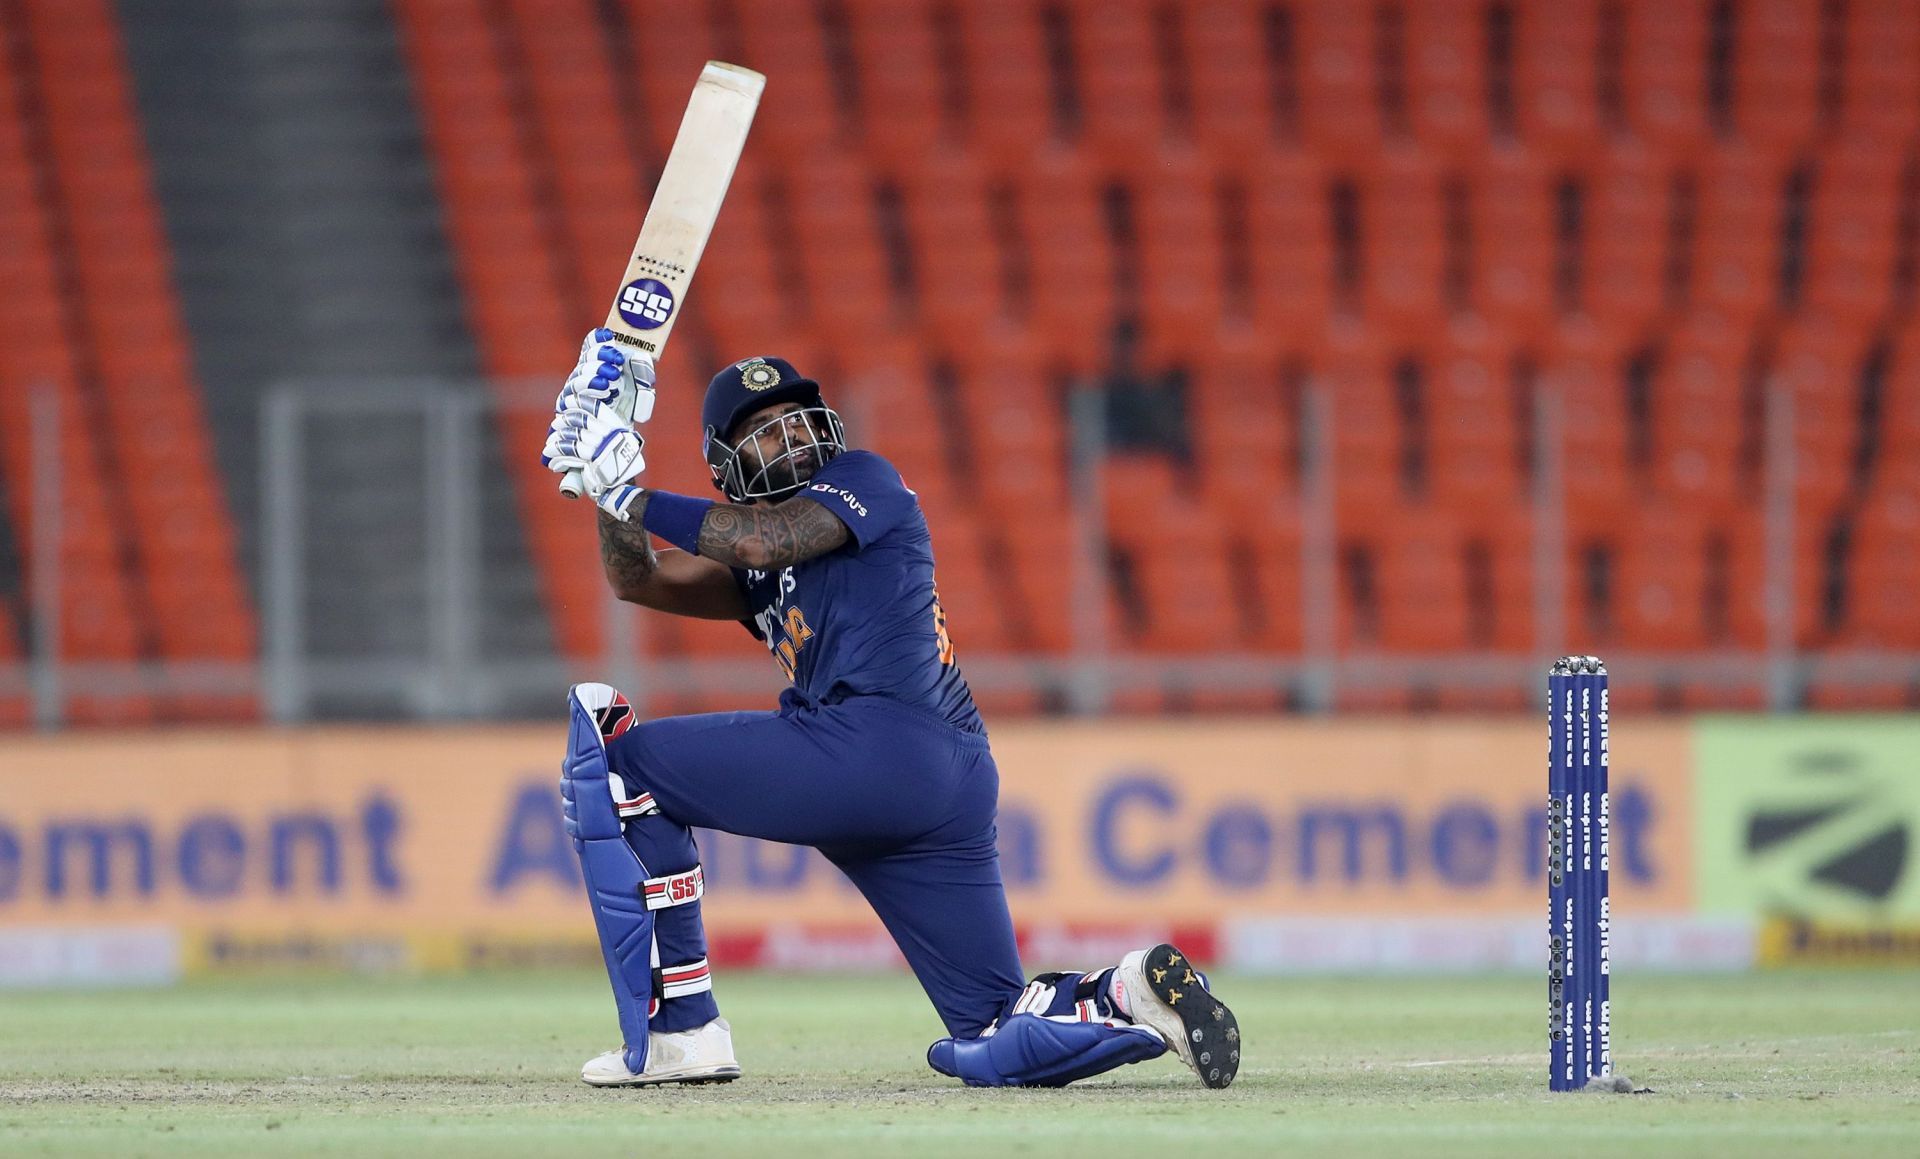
(1161, 989)
(701, 1055)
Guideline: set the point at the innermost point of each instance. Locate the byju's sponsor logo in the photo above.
(855, 505)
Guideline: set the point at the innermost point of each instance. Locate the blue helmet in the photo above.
(751, 385)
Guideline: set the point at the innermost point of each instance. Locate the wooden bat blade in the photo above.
(686, 203)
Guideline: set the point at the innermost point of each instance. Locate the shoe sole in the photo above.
(1210, 1034)
(691, 1080)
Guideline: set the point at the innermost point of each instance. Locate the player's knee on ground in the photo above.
(1059, 1028)
(1028, 1050)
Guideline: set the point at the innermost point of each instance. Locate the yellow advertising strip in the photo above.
(225, 952)
(436, 841)
(1804, 942)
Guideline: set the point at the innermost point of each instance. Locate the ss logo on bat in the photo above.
(646, 303)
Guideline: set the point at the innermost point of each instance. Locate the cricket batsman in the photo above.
(876, 756)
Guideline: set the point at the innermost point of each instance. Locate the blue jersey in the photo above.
(863, 620)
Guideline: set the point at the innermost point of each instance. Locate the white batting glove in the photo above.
(605, 373)
(618, 501)
(598, 443)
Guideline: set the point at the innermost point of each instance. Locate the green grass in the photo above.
(1764, 1064)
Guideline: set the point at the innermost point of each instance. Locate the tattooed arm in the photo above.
(760, 538)
(766, 538)
(669, 580)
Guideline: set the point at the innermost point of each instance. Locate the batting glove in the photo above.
(618, 501)
(597, 441)
(607, 374)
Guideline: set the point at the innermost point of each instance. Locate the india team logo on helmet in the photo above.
(757, 374)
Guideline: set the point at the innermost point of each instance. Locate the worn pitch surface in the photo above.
(1770, 1063)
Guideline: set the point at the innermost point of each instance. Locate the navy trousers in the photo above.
(902, 803)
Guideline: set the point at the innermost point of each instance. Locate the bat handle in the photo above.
(572, 485)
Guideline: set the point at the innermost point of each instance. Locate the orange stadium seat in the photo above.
(666, 57)
(951, 230)
(842, 265)
(1477, 436)
(1445, 588)
(1190, 594)
(1404, 236)
(1264, 548)
(1337, 68)
(1736, 600)
(1177, 550)
(1178, 285)
(784, 37)
(1698, 420)
(1557, 77)
(1583, 367)
(744, 283)
(1886, 571)
(1247, 437)
(1074, 281)
(1009, 102)
(902, 76)
(1290, 243)
(1853, 247)
(16, 711)
(1880, 81)
(1119, 49)
(1035, 571)
(1776, 71)
(1419, 581)
(1660, 600)
(1819, 364)
(1234, 83)
(1738, 253)
(1629, 192)
(1019, 449)
(1369, 436)
(1499, 554)
(1447, 77)
(1512, 227)
(889, 397)
(1900, 418)
(1665, 76)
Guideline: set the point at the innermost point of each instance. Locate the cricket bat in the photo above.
(685, 204)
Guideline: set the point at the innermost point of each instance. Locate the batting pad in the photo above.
(615, 878)
(1027, 1050)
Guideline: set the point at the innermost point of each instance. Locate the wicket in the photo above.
(1579, 1018)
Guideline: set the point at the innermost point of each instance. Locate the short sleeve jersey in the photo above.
(864, 619)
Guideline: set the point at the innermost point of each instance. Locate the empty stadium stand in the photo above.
(147, 560)
(1638, 272)
(1661, 215)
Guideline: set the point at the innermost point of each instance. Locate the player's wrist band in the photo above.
(676, 519)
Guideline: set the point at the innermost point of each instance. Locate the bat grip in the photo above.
(572, 485)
